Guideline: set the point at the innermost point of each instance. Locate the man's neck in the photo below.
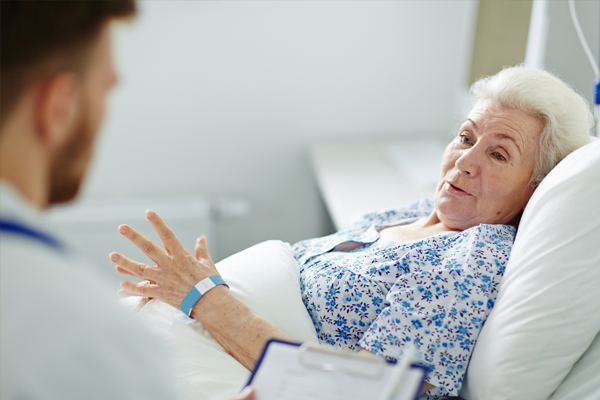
(24, 164)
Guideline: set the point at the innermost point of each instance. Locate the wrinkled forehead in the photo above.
(489, 115)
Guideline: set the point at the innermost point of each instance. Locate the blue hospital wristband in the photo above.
(190, 300)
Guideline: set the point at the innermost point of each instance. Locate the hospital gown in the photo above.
(434, 293)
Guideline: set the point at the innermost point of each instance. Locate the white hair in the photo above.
(565, 115)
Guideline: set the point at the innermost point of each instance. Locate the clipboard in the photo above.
(294, 371)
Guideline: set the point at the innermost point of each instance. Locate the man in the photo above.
(62, 334)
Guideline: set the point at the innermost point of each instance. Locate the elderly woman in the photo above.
(427, 274)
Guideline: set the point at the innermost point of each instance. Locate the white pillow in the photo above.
(583, 382)
(548, 309)
(265, 277)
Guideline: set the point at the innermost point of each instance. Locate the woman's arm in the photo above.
(230, 322)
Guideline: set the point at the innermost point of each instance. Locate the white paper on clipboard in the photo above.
(288, 371)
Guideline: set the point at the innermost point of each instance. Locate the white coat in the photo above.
(62, 333)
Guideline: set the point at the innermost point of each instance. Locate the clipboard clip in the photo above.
(306, 348)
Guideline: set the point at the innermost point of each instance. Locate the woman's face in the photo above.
(486, 169)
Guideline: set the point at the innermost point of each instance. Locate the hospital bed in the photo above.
(541, 341)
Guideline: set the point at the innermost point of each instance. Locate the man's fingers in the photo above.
(129, 267)
(164, 232)
(151, 249)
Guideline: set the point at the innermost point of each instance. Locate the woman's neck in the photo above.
(432, 221)
(421, 228)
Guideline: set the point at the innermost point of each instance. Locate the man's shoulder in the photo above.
(58, 288)
(53, 309)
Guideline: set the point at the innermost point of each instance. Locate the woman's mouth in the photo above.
(453, 189)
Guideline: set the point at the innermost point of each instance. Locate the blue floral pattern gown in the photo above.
(434, 293)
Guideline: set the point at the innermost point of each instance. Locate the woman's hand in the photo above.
(176, 270)
(230, 322)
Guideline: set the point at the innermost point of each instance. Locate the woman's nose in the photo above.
(467, 163)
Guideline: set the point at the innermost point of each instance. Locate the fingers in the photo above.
(200, 250)
(123, 293)
(129, 267)
(164, 232)
(176, 271)
(146, 245)
(122, 271)
(143, 289)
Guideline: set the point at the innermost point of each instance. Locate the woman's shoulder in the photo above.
(420, 208)
(494, 235)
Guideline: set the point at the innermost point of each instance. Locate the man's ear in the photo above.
(57, 108)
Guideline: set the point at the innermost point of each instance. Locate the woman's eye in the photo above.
(499, 157)
(465, 140)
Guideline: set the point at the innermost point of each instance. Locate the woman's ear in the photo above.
(56, 109)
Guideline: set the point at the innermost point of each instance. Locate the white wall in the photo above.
(222, 98)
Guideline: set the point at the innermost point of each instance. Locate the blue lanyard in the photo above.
(15, 228)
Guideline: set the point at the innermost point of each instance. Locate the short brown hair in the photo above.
(41, 37)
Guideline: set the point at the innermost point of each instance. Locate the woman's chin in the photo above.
(457, 219)
(459, 225)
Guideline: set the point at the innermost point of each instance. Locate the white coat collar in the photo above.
(15, 207)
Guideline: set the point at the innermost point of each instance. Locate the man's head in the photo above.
(56, 70)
